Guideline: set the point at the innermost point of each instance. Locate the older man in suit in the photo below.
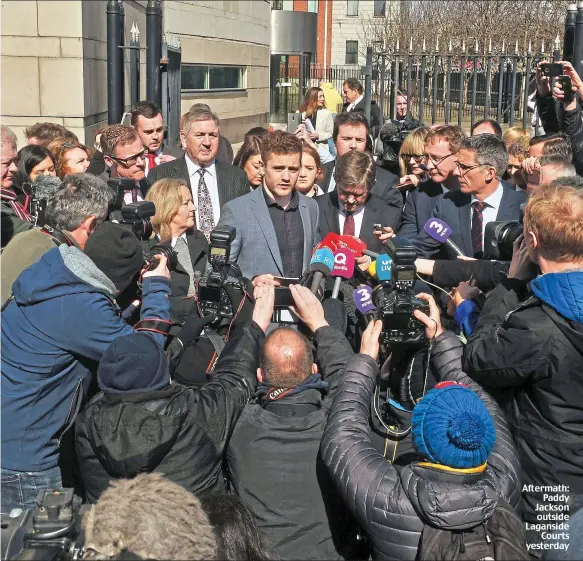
(277, 227)
(351, 209)
(212, 183)
(481, 197)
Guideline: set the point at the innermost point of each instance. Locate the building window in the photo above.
(377, 47)
(313, 6)
(277, 4)
(197, 77)
(351, 7)
(380, 8)
(351, 52)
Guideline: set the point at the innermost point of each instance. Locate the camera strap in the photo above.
(57, 235)
(155, 325)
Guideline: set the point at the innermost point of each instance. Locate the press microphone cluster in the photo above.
(441, 232)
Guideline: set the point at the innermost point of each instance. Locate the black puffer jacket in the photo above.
(180, 432)
(392, 506)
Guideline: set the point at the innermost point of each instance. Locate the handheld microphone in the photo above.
(343, 269)
(330, 241)
(321, 264)
(372, 270)
(362, 297)
(383, 268)
(440, 232)
(335, 314)
(356, 246)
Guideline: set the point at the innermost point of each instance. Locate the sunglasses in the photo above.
(131, 160)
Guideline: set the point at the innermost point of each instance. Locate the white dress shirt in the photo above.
(354, 103)
(332, 184)
(490, 212)
(210, 178)
(358, 216)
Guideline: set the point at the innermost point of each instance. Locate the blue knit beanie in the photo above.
(451, 426)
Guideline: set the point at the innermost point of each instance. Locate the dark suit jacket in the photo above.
(376, 119)
(198, 247)
(232, 181)
(455, 208)
(418, 208)
(376, 211)
(382, 188)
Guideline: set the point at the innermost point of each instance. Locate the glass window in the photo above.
(380, 7)
(313, 6)
(351, 7)
(377, 47)
(351, 52)
(276, 4)
(199, 77)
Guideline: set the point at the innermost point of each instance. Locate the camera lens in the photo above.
(508, 235)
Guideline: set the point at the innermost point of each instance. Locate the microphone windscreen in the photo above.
(389, 129)
(343, 264)
(383, 271)
(322, 257)
(45, 186)
(372, 269)
(355, 245)
(437, 229)
(335, 314)
(363, 299)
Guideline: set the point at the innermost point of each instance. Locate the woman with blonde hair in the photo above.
(516, 135)
(174, 224)
(70, 156)
(411, 158)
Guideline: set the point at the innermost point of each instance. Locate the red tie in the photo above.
(151, 160)
(348, 225)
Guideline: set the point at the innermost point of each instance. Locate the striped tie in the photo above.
(477, 222)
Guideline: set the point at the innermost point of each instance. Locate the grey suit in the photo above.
(232, 181)
(255, 247)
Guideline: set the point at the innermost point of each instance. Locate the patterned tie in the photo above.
(348, 229)
(151, 161)
(183, 254)
(206, 220)
(477, 222)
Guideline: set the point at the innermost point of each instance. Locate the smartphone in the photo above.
(286, 281)
(377, 228)
(283, 297)
(551, 69)
(567, 86)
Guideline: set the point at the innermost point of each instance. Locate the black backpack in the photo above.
(501, 538)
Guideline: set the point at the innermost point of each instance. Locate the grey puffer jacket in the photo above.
(393, 506)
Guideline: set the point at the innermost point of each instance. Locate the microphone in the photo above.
(383, 268)
(372, 270)
(45, 186)
(335, 314)
(440, 232)
(330, 241)
(356, 246)
(362, 297)
(343, 269)
(321, 264)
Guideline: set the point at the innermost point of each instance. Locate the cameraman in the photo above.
(70, 217)
(528, 344)
(54, 332)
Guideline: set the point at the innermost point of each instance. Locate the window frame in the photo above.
(384, 14)
(355, 53)
(208, 89)
(308, 6)
(353, 2)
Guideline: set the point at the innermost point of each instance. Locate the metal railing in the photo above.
(444, 87)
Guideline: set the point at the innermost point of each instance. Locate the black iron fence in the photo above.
(445, 88)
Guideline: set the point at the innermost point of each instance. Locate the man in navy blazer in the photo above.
(481, 198)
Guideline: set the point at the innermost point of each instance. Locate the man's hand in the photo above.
(465, 291)
(164, 158)
(424, 266)
(407, 182)
(521, 267)
(264, 301)
(530, 165)
(267, 279)
(432, 322)
(369, 344)
(363, 262)
(575, 78)
(161, 270)
(307, 307)
(543, 84)
(384, 234)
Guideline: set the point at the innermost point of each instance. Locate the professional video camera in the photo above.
(394, 296)
(210, 290)
(51, 531)
(40, 191)
(136, 215)
(499, 237)
(392, 136)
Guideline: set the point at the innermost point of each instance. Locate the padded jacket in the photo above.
(391, 505)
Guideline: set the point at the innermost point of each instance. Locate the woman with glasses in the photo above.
(70, 156)
(411, 158)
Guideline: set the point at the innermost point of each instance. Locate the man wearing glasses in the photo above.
(441, 147)
(125, 157)
(481, 197)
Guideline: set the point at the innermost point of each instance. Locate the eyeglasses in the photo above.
(417, 157)
(435, 162)
(463, 168)
(131, 160)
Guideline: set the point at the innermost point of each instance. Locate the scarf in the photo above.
(10, 197)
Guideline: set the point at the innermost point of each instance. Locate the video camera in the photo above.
(394, 296)
(136, 215)
(392, 136)
(499, 238)
(210, 290)
(51, 531)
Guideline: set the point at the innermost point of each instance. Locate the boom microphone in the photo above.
(45, 186)
(321, 265)
(343, 269)
(440, 232)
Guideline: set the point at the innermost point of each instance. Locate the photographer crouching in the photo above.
(55, 329)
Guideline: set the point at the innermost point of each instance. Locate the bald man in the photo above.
(273, 455)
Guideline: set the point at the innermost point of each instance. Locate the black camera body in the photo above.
(211, 295)
(51, 531)
(395, 299)
(135, 216)
(499, 238)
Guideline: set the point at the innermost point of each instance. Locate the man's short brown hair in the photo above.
(280, 142)
(115, 135)
(353, 84)
(451, 134)
(354, 169)
(554, 213)
(197, 113)
(47, 132)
